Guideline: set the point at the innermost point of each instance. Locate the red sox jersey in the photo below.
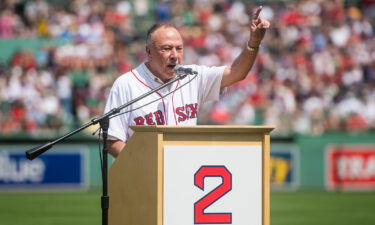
(178, 108)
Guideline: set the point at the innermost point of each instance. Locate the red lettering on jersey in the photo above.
(159, 117)
(193, 110)
(181, 114)
(139, 120)
(149, 119)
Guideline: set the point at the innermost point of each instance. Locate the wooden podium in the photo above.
(192, 175)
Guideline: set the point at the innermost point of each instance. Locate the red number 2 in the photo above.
(212, 171)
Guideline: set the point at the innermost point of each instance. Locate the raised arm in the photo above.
(243, 63)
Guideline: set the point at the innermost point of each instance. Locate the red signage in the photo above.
(351, 167)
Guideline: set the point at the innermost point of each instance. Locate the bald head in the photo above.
(154, 28)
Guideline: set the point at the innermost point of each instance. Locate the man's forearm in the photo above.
(240, 66)
(115, 147)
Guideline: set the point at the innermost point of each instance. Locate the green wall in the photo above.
(312, 154)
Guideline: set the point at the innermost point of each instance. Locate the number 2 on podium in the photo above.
(200, 217)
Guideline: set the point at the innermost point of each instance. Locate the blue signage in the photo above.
(51, 170)
(283, 166)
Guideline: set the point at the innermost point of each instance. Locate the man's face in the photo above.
(164, 51)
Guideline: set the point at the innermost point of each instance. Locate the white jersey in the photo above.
(178, 108)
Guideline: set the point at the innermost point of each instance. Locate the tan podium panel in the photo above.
(192, 175)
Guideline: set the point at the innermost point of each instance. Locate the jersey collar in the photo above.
(151, 75)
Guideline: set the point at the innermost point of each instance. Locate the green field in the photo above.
(287, 208)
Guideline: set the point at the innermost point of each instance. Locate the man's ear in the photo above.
(148, 51)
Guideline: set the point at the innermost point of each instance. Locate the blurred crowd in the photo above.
(315, 71)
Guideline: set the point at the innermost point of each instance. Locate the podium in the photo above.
(177, 175)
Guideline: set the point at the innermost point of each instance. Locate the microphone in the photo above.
(180, 70)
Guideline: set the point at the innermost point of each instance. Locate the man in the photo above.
(164, 47)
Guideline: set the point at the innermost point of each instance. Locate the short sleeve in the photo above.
(210, 82)
(117, 125)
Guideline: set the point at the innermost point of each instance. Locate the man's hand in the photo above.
(258, 28)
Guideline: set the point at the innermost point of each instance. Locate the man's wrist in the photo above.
(252, 48)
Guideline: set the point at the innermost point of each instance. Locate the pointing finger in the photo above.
(257, 12)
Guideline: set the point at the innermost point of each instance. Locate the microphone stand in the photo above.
(104, 125)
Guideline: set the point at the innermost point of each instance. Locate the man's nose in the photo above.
(173, 53)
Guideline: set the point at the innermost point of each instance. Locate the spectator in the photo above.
(315, 71)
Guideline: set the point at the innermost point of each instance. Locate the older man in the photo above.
(164, 48)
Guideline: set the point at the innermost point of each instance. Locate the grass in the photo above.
(323, 208)
(287, 208)
(50, 208)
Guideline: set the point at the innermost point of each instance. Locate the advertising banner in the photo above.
(284, 166)
(63, 168)
(350, 167)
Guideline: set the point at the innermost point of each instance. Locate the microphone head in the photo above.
(178, 68)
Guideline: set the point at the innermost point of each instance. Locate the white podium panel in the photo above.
(212, 185)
